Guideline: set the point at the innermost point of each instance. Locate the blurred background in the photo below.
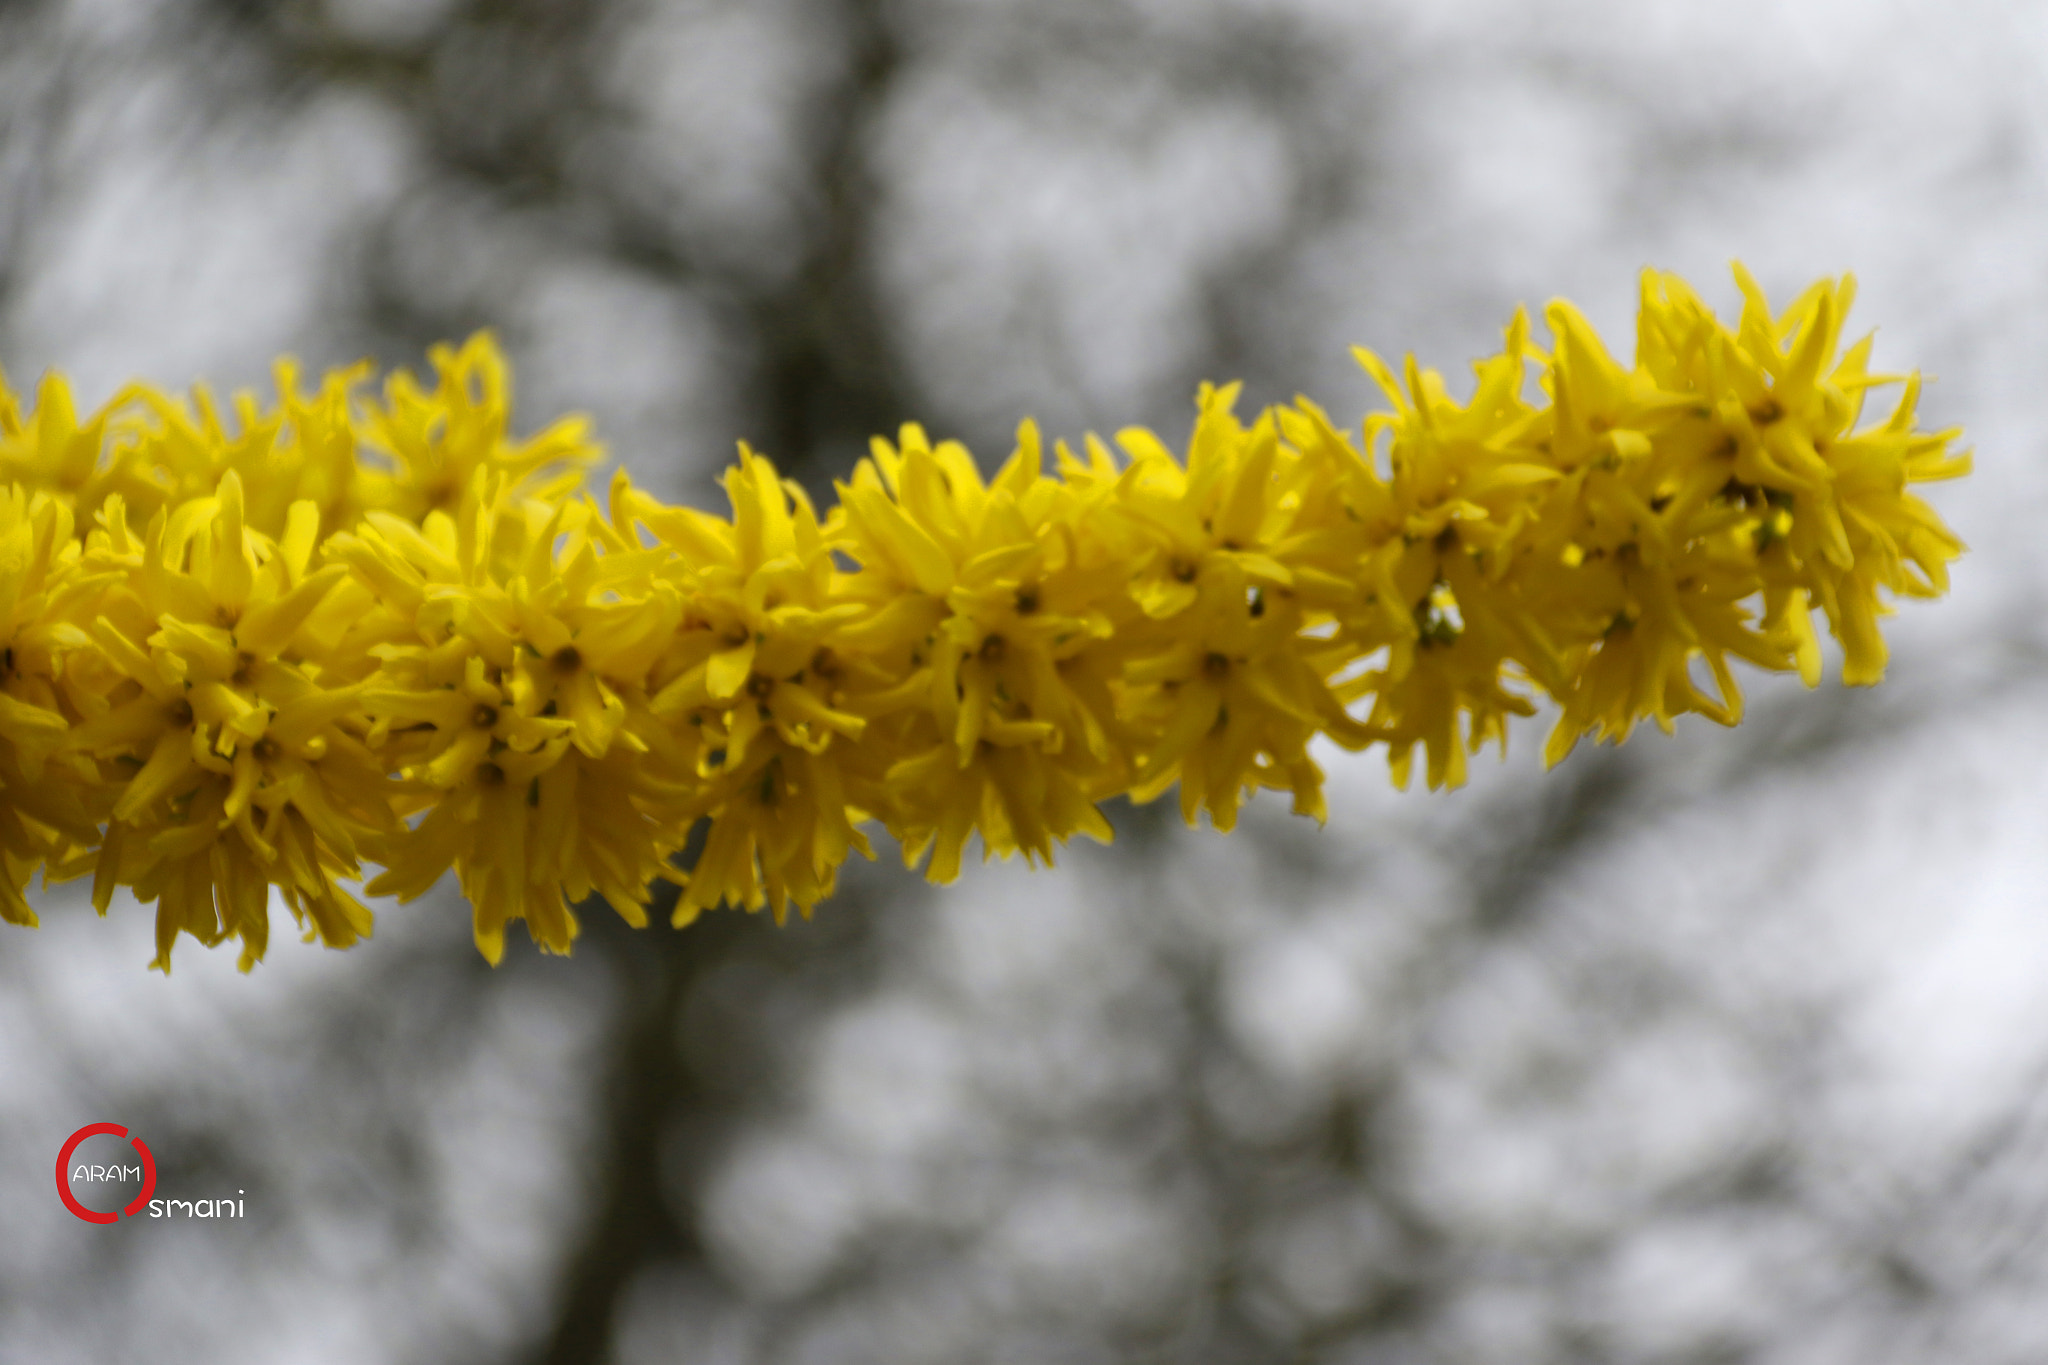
(1723, 1047)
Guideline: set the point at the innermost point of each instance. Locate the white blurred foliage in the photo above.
(1050, 232)
(720, 138)
(179, 251)
(331, 1248)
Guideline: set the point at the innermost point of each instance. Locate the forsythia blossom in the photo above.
(260, 652)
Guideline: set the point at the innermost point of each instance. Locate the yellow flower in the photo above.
(385, 630)
(1229, 683)
(240, 766)
(756, 689)
(514, 649)
(998, 604)
(50, 805)
(304, 451)
(1640, 552)
(1851, 527)
(438, 439)
(52, 452)
(1437, 559)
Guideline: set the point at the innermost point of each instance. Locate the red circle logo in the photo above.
(64, 1173)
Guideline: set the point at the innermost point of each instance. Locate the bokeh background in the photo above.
(1723, 1047)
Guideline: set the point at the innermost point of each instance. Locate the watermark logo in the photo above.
(66, 1173)
(106, 1174)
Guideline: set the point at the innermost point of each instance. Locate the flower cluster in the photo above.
(257, 654)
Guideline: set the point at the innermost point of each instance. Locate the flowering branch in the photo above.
(379, 630)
